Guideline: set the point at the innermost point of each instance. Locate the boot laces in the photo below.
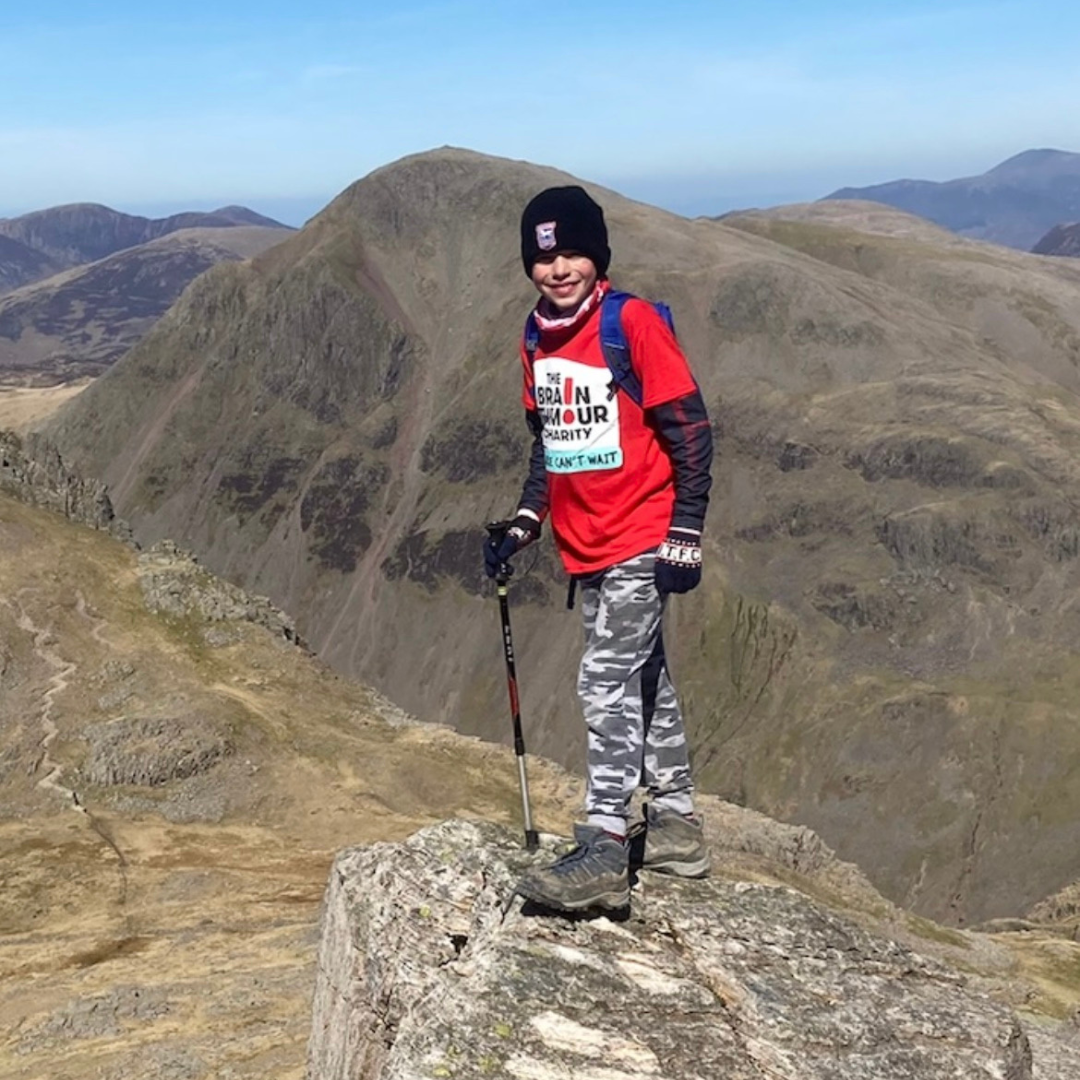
(564, 863)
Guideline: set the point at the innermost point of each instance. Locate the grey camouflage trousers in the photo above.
(636, 733)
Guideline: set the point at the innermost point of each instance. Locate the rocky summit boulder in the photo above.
(429, 967)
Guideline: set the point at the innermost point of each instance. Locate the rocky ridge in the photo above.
(429, 968)
(172, 580)
(33, 471)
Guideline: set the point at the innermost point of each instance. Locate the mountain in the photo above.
(1014, 203)
(177, 773)
(75, 323)
(884, 644)
(238, 215)
(19, 263)
(1063, 240)
(67, 236)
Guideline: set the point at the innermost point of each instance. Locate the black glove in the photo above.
(506, 539)
(678, 561)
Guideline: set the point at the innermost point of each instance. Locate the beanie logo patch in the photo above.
(545, 236)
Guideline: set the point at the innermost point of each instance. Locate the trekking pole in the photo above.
(496, 530)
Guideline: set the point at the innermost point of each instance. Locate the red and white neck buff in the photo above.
(548, 323)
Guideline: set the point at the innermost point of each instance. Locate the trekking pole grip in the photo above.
(496, 530)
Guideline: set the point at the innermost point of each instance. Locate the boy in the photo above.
(626, 487)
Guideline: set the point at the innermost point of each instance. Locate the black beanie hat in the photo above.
(564, 219)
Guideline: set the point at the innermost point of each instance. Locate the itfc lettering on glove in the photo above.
(678, 561)
(506, 539)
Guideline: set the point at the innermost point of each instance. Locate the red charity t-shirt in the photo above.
(610, 481)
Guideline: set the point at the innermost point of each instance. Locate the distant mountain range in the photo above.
(36, 245)
(80, 284)
(76, 323)
(1015, 204)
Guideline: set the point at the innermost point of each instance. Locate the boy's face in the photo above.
(565, 279)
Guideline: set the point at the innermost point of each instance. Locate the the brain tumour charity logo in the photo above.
(545, 235)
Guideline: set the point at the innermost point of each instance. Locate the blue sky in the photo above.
(702, 108)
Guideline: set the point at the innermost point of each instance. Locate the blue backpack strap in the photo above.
(532, 334)
(531, 341)
(665, 313)
(616, 348)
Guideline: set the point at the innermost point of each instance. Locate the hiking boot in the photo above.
(669, 843)
(594, 874)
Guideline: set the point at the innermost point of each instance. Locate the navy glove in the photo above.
(678, 561)
(506, 539)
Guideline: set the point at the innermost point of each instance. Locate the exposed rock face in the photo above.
(153, 750)
(171, 578)
(421, 974)
(34, 472)
(173, 582)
